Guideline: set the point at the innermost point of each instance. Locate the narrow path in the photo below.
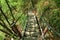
(32, 29)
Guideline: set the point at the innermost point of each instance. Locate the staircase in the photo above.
(32, 29)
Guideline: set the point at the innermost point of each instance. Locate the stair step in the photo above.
(30, 21)
(34, 34)
(30, 38)
(32, 26)
(33, 30)
(31, 17)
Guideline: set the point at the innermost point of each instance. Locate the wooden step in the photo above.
(30, 38)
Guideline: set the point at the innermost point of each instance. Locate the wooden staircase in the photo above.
(32, 29)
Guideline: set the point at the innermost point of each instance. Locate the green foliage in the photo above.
(58, 2)
(16, 8)
(54, 19)
(48, 8)
(2, 36)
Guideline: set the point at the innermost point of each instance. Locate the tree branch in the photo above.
(4, 26)
(4, 16)
(10, 31)
(16, 21)
(5, 32)
(10, 9)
